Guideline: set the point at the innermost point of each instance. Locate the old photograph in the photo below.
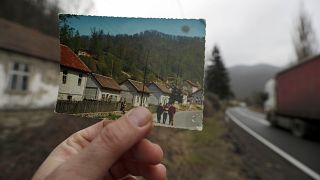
(110, 65)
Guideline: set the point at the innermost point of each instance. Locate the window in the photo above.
(138, 99)
(69, 98)
(80, 80)
(64, 76)
(19, 77)
(103, 97)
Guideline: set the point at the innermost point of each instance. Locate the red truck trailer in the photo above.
(297, 97)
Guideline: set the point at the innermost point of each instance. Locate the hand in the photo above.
(107, 150)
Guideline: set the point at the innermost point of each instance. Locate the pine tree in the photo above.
(176, 95)
(96, 43)
(217, 77)
(304, 38)
(76, 43)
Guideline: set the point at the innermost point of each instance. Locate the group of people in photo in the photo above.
(163, 111)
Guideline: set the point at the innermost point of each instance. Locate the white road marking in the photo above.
(277, 150)
(259, 120)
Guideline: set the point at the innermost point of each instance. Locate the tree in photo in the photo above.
(217, 77)
(65, 30)
(176, 95)
(96, 43)
(304, 39)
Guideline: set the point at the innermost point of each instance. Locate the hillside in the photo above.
(245, 80)
(167, 55)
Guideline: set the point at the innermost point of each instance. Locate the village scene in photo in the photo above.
(109, 65)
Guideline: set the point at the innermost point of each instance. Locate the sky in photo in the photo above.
(118, 25)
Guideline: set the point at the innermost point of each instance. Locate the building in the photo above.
(190, 86)
(135, 92)
(73, 75)
(159, 93)
(102, 88)
(85, 53)
(184, 98)
(197, 97)
(29, 68)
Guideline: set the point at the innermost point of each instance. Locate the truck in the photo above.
(294, 98)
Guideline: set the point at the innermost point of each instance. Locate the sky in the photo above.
(118, 25)
(248, 32)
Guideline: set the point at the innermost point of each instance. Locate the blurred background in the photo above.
(262, 87)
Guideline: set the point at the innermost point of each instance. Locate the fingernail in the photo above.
(139, 116)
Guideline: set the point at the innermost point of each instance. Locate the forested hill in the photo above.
(168, 56)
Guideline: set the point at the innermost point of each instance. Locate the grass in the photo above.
(101, 115)
(198, 154)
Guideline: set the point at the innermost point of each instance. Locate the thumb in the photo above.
(113, 141)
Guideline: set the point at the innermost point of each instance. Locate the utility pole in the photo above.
(112, 68)
(144, 77)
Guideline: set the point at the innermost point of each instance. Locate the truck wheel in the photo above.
(298, 128)
(272, 118)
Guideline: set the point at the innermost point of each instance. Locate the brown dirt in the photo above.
(187, 154)
(23, 150)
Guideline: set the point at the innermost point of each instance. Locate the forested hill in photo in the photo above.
(125, 56)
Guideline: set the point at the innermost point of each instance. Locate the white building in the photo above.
(73, 75)
(134, 92)
(102, 88)
(197, 97)
(190, 86)
(29, 68)
(159, 93)
(184, 98)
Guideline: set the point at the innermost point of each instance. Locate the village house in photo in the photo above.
(73, 75)
(160, 94)
(102, 88)
(135, 92)
(197, 96)
(111, 64)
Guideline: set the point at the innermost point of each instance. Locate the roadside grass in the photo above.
(257, 109)
(202, 154)
(101, 115)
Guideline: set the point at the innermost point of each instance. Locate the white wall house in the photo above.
(29, 67)
(159, 93)
(197, 97)
(73, 75)
(102, 88)
(190, 87)
(184, 98)
(134, 92)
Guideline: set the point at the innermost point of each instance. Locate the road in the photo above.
(184, 119)
(302, 153)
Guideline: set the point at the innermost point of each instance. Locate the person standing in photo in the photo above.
(159, 112)
(172, 111)
(123, 106)
(165, 113)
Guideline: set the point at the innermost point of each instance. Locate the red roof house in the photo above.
(69, 59)
(107, 82)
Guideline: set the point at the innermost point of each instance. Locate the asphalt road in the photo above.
(184, 119)
(302, 153)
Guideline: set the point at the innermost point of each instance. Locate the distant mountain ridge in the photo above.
(246, 80)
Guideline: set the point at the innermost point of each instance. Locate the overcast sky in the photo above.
(247, 31)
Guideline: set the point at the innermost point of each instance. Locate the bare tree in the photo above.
(304, 39)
